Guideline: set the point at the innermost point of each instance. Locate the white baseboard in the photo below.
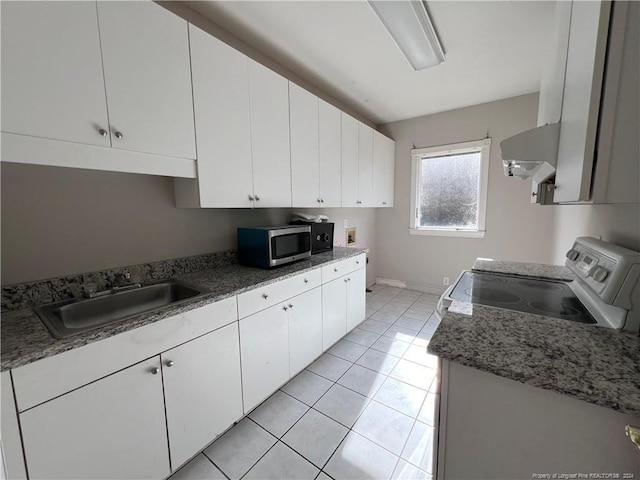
(420, 287)
(390, 282)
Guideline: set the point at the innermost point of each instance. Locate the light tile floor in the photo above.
(363, 410)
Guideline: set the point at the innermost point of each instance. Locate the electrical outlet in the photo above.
(351, 236)
(445, 280)
(346, 222)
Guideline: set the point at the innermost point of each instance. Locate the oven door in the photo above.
(288, 245)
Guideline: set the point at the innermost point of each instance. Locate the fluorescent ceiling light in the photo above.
(409, 25)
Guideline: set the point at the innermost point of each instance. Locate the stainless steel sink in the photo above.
(71, 317)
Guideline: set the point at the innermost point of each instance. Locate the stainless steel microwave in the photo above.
(268, 247)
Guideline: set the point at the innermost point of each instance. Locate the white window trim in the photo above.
(484, 147)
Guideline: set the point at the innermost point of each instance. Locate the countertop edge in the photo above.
(443, 347)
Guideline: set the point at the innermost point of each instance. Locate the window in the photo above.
(449, 189)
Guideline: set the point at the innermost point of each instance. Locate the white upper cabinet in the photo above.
(269, 108)
(581, 100)
(305, 175)
(552, 80)
(145, 51)
(329, 123)
(365, 165)
(349, 146)
(221, 106)
(384, 164)
(52, 80)
(81, 75)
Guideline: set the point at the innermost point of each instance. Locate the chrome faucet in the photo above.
(93, 293)
(109, 291)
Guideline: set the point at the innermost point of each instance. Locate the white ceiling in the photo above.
(494, 50)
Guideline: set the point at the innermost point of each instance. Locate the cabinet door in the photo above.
(305, 175)
(555, 63)
(202, 391)
(329, 155)
(305, 329)
(145, 51)
(264, 350)
(112, 428)
(269, 107)
(365, 165)
(383, 170)
(349, 144)
(12, 454)
(356, 286)
(581, 101)
(221, 107)
(334, 311)
(52, 81)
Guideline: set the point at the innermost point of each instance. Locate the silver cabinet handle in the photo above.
(155, 370)
(102, 132)
(358, 202)
(345, 280)
(265, 296)
(384, 203)
(257, 198)
(348, 279)
(291, 305)
(118, 134)
(322, 200)
(251, 198)
(306, 280)
(335, 269)
(169, 363)
(285, 308)
(318, 200)
(358, 262)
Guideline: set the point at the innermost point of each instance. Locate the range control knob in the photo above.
(572, 254)
(600, 274)
(322, 237)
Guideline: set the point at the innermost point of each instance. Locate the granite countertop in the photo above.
(587, 362)
(25, 339)
(539, 270)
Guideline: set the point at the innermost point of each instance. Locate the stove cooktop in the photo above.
(541, 297)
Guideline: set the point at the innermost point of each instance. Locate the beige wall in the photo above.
(619, 224)
(516, 230)
(60, 221)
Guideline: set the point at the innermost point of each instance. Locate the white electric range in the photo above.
(604, 292)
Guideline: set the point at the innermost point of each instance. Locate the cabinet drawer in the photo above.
(40, 381)
(335, 270)
(267, 296)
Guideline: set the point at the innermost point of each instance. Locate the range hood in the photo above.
(533, 153)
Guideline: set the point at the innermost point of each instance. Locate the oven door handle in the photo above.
(440, 308)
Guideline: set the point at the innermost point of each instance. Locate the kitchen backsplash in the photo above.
(26, 295)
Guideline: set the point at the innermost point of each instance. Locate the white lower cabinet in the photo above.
(202, 390)
(343, 306)
(264, 349)
(305, 329)
(12, 457)
(146, 420)
(493, 427)
(112, 428)
(334, 312)
(356, 298)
